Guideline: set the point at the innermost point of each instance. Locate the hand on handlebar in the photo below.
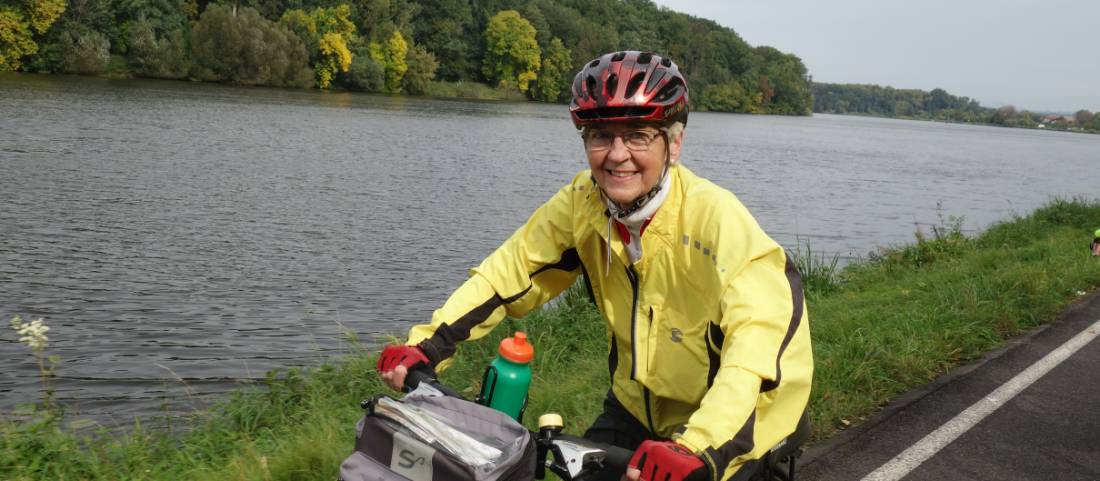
(665, 461)
(395, 361)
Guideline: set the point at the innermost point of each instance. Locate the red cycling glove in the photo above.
(408, 356)
(668, 461)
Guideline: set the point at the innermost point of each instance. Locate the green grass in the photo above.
(472, 90)
(881, 326)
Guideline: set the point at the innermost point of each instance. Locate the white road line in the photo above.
(918, 453)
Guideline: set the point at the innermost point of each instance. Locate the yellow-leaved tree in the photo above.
(326, 33)
(391, 54)
(19, 20)
(335, 56)
(511, 52)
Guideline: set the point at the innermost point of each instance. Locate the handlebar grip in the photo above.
(617, 458)
(425, 374)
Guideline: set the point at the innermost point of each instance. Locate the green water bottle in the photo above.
(507, 378)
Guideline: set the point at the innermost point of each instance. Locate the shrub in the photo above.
(366, 74)
(83, 51)
(164, 58)
(245, 48)
(422, 66)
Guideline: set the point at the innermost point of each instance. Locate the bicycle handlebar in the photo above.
(577, 458)
(425, 374)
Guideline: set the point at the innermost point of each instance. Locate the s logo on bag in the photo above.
(411, 458)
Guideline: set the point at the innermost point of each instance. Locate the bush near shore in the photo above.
(880, 326)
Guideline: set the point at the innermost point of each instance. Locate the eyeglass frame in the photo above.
(585, 136)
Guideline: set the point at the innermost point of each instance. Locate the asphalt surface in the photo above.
(1048, 431)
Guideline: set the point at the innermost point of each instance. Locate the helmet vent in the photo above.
(635, 82)
(645, 57)
(590, 86)
(670, 90)
(611, 84)
(667, 62)
(593, 63)
(655, 79)
(618, 57)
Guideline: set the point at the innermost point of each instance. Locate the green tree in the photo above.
(379, 18)
(80, 15)
(726, 97)
(555, 75)
(1094, 124)
(304, 27)
(366, 73)
(149, 56)
(422, 67)
(84, 51)
(511, 51)
(19, 21)
(163, 16)
(247, 49)
(1083, 117)
(447, 29)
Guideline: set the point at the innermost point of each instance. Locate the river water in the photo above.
(178, 237)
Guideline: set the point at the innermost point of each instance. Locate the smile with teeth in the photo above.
(616, 173)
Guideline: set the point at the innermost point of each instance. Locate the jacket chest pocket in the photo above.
(678, 357)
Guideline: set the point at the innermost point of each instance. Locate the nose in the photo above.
(618, 152)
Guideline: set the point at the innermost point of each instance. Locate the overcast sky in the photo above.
(1037, 55)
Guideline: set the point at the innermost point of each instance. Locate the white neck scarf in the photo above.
(634, 221)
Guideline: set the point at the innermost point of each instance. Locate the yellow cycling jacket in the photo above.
(708, 332)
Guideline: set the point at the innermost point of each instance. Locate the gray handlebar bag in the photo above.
(386, 450)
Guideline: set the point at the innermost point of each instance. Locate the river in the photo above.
(178, 237)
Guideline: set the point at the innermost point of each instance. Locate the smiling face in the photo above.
(627, 159)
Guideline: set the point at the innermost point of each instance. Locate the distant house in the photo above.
(1056, 120)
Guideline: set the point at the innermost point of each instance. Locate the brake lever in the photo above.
(572, 460)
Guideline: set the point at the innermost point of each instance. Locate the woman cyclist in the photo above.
(709, 340)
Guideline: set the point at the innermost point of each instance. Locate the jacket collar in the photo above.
(659, 234)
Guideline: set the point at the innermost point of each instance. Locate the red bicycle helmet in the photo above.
(629, 86)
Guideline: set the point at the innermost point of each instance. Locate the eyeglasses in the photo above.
(635, 140)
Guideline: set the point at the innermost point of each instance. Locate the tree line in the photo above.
(938, 105)
(396, 46)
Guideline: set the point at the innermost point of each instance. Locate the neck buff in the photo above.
(634, 221)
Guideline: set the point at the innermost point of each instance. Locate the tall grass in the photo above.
(880, 327)
(820, 273)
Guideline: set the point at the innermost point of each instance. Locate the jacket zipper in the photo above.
(648, 411)
(633, 276)
(645, 390)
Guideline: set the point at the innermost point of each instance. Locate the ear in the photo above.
(674, 145)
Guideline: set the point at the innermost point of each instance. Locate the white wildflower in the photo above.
(1081, 293)
(33, 334)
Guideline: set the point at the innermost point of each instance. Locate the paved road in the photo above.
(1047, 430)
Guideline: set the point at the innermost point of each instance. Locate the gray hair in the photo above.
(673, 130)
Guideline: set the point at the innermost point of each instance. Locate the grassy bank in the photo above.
(472, 90)
(881, 327)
